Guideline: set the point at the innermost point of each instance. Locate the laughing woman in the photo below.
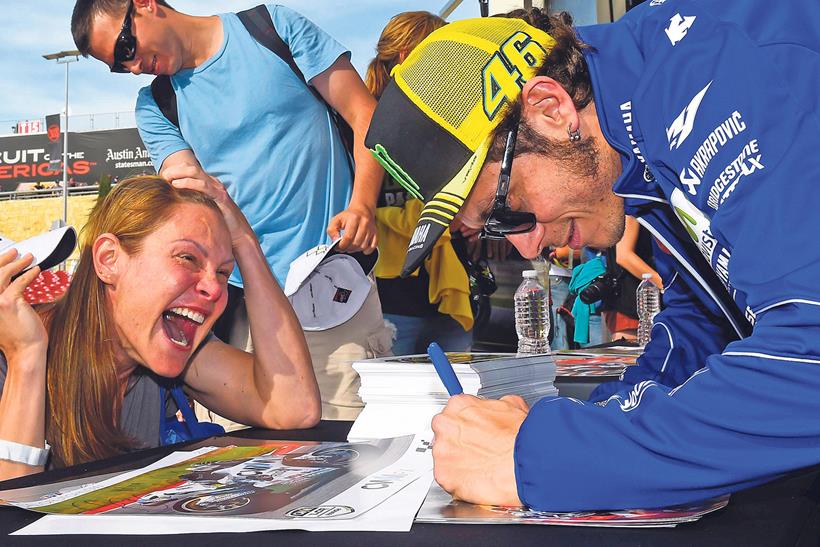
(99, 373)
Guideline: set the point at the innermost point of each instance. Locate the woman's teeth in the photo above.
(190, 314)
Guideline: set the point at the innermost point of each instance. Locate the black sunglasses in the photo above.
(125, 46)
(503, 221)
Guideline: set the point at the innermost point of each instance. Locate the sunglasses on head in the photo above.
(503, 221)
(125, 46)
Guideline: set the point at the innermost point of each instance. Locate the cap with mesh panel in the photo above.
(432, 127)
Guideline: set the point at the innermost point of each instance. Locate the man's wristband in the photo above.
(23, 453)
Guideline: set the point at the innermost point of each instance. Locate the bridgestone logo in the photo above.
(746, 163)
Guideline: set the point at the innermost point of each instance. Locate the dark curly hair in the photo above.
(565, 64)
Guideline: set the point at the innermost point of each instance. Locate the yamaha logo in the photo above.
(681, 126)
(419, 236)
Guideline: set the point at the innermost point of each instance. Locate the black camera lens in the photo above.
(594, 292)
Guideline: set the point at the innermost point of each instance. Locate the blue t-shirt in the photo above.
(254, 125)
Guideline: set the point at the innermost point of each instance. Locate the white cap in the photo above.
(326, 287)
(530, 273)
(49, 249)
(646, 276)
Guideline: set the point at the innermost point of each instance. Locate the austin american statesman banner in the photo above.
(119, 153)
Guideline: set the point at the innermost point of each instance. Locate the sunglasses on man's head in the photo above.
(125, 46)
(503, 221)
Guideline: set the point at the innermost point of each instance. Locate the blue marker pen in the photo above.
(444, 369)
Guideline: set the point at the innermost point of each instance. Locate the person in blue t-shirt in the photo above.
(246, 118)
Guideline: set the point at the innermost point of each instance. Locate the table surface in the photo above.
(783, 512)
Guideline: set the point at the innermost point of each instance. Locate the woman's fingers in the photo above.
(24, 280)
(13, 267)
(8, 256)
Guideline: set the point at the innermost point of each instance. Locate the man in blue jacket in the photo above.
(700, 119)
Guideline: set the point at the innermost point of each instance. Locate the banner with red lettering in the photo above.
(119, 153)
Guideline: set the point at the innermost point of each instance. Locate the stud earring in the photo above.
(574, 136)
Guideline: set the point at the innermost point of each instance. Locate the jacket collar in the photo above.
(615, 66)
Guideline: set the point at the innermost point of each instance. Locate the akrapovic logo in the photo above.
(689, 179)
(714, 141)
(419, 237)
(678, 27)
(681, 126)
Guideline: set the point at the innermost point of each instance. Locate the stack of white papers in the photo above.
(402, 394)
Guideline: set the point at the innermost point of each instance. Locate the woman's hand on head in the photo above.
(194, 178)
(21, 329)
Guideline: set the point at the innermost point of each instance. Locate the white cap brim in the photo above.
(306, 263)
(332, 294)
(48, 249)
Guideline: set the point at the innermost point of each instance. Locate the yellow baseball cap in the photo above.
(433, 125)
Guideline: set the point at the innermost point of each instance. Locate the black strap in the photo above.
(166, 98)
(259, 25)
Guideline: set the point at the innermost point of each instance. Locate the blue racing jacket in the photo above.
(714, 106)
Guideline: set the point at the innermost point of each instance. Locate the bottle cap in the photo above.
(646, 276)
(530, 274)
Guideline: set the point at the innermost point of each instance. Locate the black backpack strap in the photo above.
(258, 23)
(166, 98)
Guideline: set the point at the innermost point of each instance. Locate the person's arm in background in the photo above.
(169, 151)
(493, 249)
(24, 344)
(628, 259)
(563, 255)
(182, 159)
(274, 387)
(343, 89)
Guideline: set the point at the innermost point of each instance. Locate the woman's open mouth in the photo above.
(180, 325)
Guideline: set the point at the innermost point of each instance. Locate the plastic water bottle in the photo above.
(532, 320)
(649, 304)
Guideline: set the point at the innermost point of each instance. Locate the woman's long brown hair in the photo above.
(403, 33)
(84, 395)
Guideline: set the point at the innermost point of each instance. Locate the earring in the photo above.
(574, 136)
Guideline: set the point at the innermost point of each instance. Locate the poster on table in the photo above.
(280, 484)
(440, 507)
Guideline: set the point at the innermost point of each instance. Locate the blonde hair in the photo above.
(84, 395)
(403, 33)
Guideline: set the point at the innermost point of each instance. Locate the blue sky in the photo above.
(32, 87)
